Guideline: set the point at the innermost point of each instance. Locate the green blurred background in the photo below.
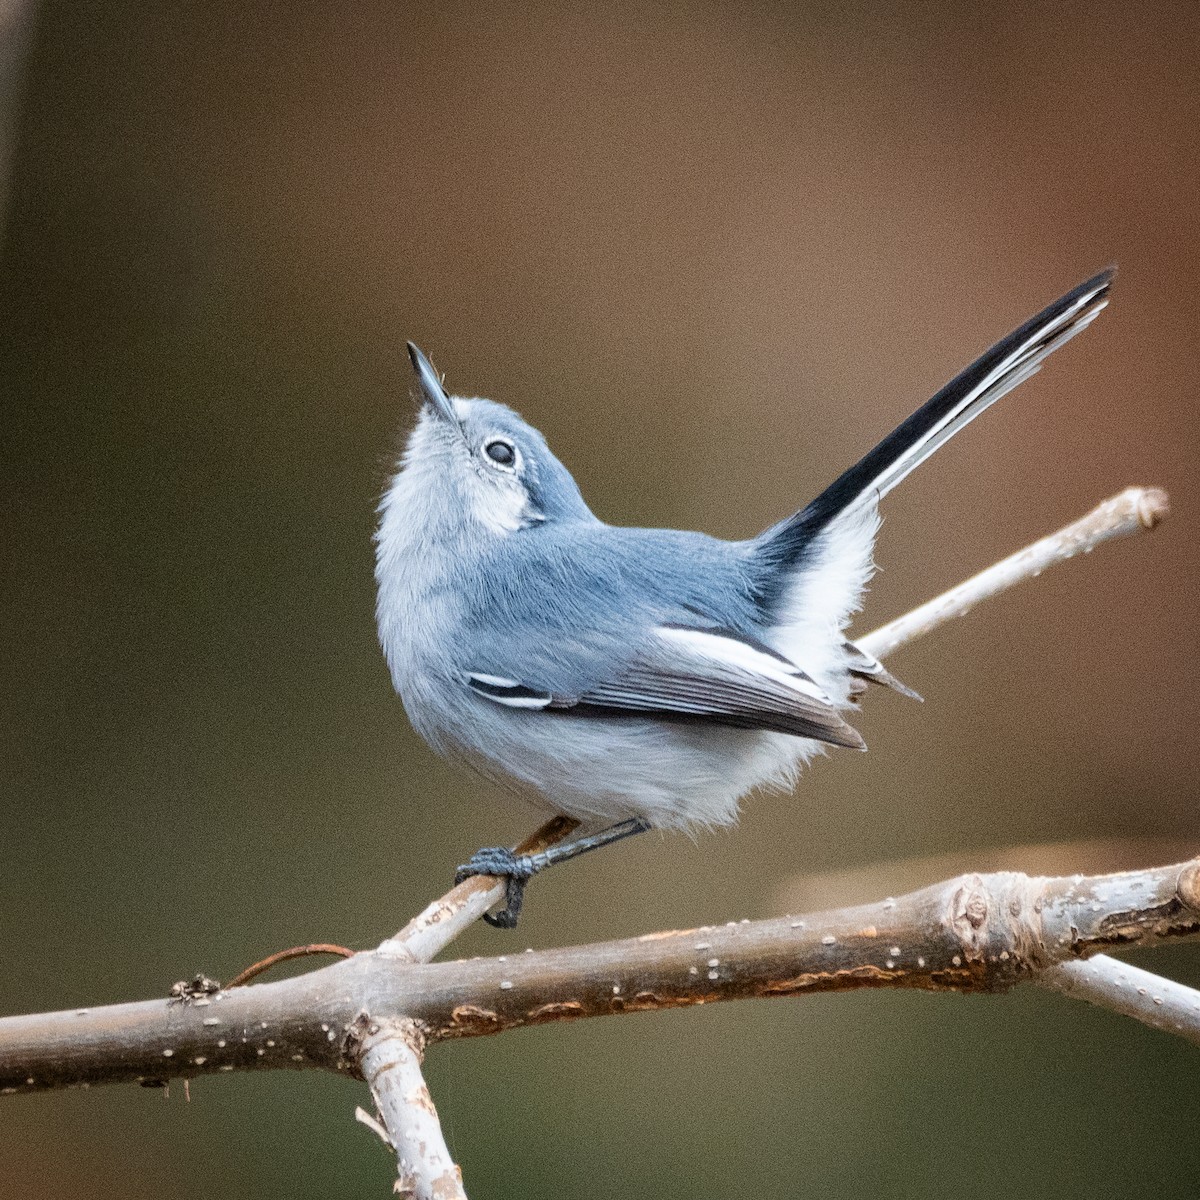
(714, 254)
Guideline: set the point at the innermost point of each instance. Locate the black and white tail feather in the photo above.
(1010, 362)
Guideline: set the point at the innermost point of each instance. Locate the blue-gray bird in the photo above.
(637, 678)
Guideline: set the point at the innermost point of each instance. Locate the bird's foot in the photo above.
(515, 869)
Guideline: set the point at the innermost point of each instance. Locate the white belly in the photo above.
(603, 769)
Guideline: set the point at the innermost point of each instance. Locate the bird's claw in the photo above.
(515, 869)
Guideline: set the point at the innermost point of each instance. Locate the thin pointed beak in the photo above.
(429, 387)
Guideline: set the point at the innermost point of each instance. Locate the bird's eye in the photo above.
(500, 451)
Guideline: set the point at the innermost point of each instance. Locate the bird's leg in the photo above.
(517, 869)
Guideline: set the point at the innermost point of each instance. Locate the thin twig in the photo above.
(1128, 990)
(281, 956)
(432, 930)
(1131, 511)
(390, 1059)
(373, 1124)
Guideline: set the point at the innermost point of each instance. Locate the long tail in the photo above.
(1009, 362)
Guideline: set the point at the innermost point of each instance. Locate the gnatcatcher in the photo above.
(637, 678)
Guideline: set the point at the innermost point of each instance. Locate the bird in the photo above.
(632, 678)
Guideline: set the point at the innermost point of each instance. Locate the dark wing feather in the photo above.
(867, 667)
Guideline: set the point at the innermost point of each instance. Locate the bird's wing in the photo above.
(703, 675)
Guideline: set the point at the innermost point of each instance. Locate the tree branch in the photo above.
(1131, 511)
(391, 1064)
(973, 933)
(1121, 988)
(431, 931)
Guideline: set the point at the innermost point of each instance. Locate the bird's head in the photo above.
(474, 464)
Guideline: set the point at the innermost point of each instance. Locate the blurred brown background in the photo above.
(714, 254)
